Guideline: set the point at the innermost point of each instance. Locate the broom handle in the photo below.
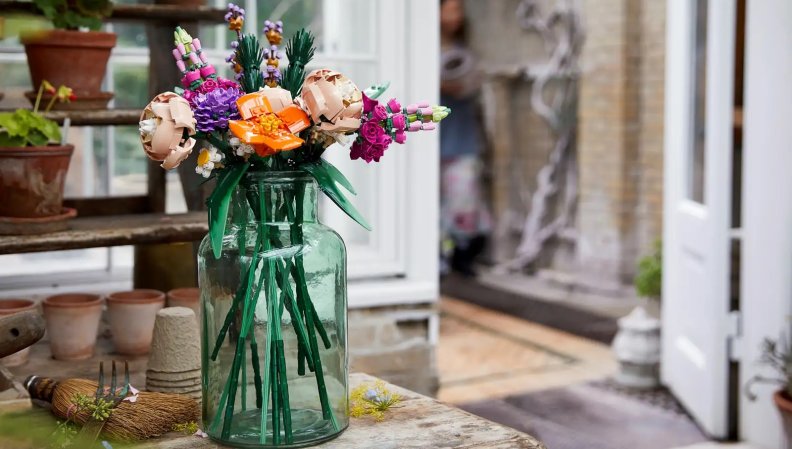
(41, 388)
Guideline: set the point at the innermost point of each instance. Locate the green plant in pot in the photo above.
(33, 165)
(777, 355)
(75, 43)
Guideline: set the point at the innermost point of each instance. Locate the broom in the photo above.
(153, 414)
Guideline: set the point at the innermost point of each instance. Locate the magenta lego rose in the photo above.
(394, 105)
(379, 113)
(399, 121)
(371, 132)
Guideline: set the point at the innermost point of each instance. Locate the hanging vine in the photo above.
(562, 34)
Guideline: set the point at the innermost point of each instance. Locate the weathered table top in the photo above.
(418, 422)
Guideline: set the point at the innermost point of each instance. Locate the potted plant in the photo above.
(777, 354)
(85, 53)
(33, 165)
(637, 343)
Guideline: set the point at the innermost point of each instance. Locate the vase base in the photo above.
(309, 429)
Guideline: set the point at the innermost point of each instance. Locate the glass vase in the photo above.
(274, 319)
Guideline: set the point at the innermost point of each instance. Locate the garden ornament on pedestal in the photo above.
(637, 342)
(272, 276)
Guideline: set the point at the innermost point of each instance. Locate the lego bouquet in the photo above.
(269, 272)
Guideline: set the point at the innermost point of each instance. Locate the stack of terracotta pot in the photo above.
(73, 322)
(175, 361)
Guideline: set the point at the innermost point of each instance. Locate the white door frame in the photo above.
(696, 234)
(767, 207)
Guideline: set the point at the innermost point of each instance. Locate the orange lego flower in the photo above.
(270, 120)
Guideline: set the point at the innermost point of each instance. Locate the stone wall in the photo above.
(396, 344)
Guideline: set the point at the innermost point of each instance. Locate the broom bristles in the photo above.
(153, 414)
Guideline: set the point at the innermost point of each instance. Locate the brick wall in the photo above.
(620, 137)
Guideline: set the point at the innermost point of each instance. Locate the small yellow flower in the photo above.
(372, 400)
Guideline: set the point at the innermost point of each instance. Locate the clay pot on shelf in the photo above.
(10, 307)
(85, 53)
(189, 297)
(31, 185)
(131, 315)
(72, 324)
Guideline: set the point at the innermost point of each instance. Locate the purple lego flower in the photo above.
(214, 109)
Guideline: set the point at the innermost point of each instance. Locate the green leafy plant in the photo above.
(75, 14)
(23, 127)
(26, 128)
(649, 279)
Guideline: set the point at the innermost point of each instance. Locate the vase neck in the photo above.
(283, 196)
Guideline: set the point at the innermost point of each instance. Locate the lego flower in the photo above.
(333, 101)
(162, 127)
(269, 121)
(208, 160)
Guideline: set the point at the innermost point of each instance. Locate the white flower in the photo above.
(147, 128)
(208, 160)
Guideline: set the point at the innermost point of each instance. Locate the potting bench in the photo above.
(138, 219)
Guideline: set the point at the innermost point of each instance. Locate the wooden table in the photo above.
(419, 422)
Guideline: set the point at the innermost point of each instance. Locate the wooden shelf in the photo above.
(99, 117)
(102, 117)
(118, 230)
(159, 13)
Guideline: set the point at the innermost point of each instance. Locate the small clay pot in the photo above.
(189, 297)
(77, 59)
(784, 404)
(131, 315)
(32, 179)
(72, 324)
(10, 307)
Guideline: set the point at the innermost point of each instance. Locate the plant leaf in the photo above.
(337, 176)
(7, 141)
(218, 203)
(327, 184)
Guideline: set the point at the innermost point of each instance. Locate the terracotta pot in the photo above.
(784, 404)
(72, 324)
(77, 59)
(131, 315)
(31, 180)
(10, 307)
(189, 297)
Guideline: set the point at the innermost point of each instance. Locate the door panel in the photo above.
(698, 208)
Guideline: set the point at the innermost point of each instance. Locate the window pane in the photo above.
(295, 14)
(697, 162)
(16, 81)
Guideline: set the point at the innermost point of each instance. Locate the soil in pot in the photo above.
(185, 297)
(131, 315)
(85, 53)
(72, 324)
(31, 180)
(10, 307)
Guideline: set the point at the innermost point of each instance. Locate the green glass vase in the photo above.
(274, 319)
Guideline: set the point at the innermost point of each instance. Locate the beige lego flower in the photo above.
(333, 101)
(162, 126)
